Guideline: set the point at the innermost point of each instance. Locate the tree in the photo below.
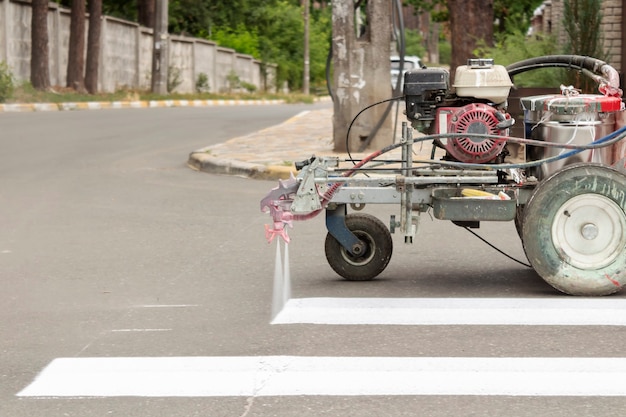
(474, 22)
(191, 17)
(93, 46)
(470, 22)
(76, 53)
(39, 71)
(513, 15)
(146, 12)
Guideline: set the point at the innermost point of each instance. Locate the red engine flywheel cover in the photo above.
(475, 118)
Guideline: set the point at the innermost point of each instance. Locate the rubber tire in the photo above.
(519, 219)
(547, 251)
(376, 256)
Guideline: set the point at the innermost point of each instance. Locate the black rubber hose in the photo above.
(601, 72)
(563, 61)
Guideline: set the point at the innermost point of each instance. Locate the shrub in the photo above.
(516, 46)
(173, 78)
(202, 83)
(7, 82)
(233, 81)
(250, 88)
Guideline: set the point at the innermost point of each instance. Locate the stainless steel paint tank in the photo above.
(569, 119)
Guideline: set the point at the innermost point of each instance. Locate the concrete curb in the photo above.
(135, 104)
(204, 162)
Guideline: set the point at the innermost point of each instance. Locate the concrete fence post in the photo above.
(6, 32)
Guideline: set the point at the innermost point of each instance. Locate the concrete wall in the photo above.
(126, 53)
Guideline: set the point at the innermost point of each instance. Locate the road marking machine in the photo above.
(563, 184)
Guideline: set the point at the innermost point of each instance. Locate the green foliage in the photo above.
(273, 32)
(123, 9)
(445, 52)
(173, 78)
(189, 17)
(202, 83)
(414, 42)
(425, 6)
(319, 46)
(250, 88)
(276, 36)
(233, 81)
(240, 39)
(282, 42)
(581, 21)
(513, 15)
(7, 82)
(508, 14)
(516, 47)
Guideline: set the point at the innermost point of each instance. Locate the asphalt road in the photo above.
(111, 247)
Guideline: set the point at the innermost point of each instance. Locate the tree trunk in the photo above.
(93, 46)
(76, 54)
(39, 71)
(146, 12)
(471, 21)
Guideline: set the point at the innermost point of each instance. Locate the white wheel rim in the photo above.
(589, 231)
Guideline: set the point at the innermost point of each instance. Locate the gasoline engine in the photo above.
(476, 107)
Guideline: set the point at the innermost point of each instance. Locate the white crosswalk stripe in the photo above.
(561, 311)
(346, 376)
(351, 376)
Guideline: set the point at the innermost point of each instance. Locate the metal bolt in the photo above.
(589, 231)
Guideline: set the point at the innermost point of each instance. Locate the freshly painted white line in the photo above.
(140, 330)
(167, 305)
(561, 311)
(345, 376)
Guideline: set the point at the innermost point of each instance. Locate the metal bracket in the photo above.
(336, 226)
(307, 198)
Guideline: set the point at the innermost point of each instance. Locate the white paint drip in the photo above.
(282, 281)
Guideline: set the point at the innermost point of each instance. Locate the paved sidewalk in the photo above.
(271, 152)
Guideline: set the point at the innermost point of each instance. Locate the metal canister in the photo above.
(569, 119)
(619, 149)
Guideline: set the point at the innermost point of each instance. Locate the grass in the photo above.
(25, 93)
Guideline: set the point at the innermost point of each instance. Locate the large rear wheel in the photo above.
(375, 255)
(574, 230)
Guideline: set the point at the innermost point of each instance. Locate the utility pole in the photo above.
(361, 75)
(160, 50)
(305, 81)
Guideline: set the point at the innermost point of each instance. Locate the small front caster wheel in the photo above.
(376, 253)
(574, 230)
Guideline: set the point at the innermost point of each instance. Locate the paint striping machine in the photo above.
(563, 184)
